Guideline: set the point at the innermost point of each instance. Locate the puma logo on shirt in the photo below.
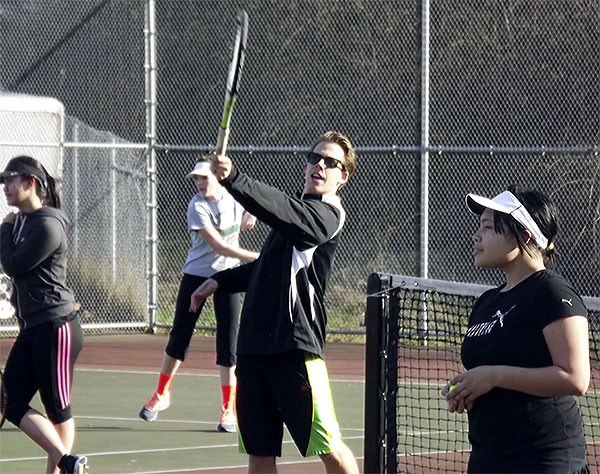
(483, 329)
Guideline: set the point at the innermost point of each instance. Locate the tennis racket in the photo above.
(233, 80)
(2, 399)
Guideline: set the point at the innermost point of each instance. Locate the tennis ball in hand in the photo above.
(453, 386)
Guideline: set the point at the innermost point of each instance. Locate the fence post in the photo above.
(151, 171)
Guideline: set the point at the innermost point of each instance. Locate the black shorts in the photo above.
(291, 388)
(227, 311)
(568, 460)
(42, 359)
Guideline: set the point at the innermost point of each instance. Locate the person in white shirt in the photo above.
(214, 222)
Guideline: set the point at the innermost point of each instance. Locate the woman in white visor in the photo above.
(526, 349)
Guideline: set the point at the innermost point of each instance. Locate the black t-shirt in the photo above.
(505, 328)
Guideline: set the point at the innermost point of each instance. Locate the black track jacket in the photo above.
(33, 252)
(283, 308)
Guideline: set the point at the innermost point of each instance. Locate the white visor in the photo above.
(202, 168)
(507, 203)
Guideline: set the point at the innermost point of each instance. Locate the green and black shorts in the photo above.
(291, 388)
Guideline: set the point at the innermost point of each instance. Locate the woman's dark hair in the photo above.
(47, 189)
(542, 210)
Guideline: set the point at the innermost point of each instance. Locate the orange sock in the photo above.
(228, 392)
(164, 383)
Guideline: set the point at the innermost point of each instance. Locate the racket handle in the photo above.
(222, 141)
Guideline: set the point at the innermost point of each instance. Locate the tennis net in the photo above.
(414, 331)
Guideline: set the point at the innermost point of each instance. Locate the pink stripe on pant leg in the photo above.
(64, 364)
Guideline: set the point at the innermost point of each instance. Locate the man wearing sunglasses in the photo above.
(281, 374)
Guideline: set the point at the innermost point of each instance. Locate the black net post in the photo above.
(391, 380)
(374, 441)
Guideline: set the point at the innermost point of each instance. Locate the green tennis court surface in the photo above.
(183, 439)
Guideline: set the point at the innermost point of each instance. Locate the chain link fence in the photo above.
(440, 97)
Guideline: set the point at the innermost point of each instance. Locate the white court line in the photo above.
(143, 372)
(435, 432)
(166, 420)
(429, 453)
(161, 450)
(186, 373)
(312, 460)
(135, 419)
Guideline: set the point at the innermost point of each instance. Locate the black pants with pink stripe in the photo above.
(42, 359)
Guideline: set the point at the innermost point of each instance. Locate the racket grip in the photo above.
(222, 141)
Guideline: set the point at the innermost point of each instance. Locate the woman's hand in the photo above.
(462, 391)
(248, 221)
(202, 292)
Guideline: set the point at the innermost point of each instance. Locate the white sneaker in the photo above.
(227, 421)
(149, 411)
(73, 464)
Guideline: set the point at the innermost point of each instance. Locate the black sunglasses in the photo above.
(313, 158)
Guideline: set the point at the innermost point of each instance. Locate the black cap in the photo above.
(17, 166)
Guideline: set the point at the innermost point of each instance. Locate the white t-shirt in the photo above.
(225, 215)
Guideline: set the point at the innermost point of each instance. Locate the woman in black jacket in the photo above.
(33, 246)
